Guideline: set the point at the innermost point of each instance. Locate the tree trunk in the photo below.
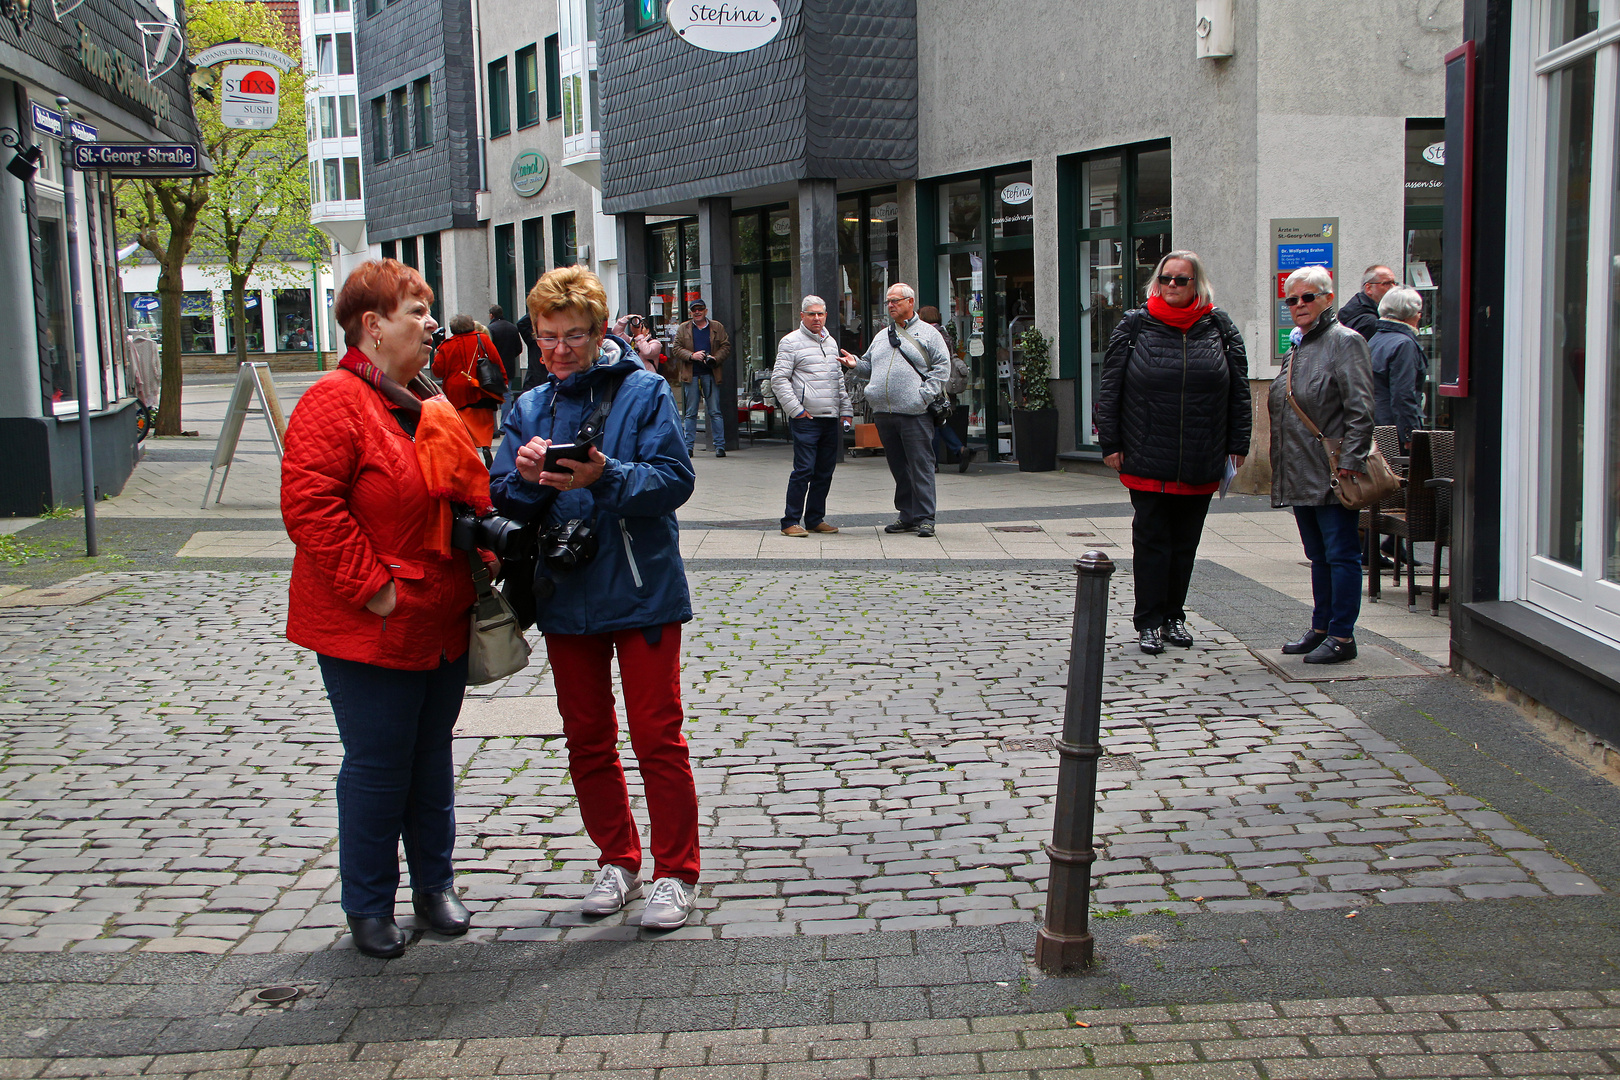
(239, 315)
(170, 288)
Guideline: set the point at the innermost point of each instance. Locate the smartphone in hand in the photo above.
(570, 451)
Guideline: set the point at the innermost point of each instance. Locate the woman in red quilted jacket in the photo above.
(456, 365)
(386, 613)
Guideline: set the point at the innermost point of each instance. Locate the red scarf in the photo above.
(1181, 318)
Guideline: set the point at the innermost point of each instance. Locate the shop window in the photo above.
(379, 129)
(197, 322)
(390, 250)
(1572, 19)
(1564, 374)
(868, 263)
(254, 321)
(764, 306)
(349, 121)
(422, 101)
(402, 142)
(500, 94)
(329, 128)
(351, 179)
(528, 88)
(563, 245)
(983, 228)
(345, 54)
(644, 14)
(554, 103)
(58, 344)
(295, 324)
(433, 273)
(505, 265)
(143, 314)
(1123, 206)
(407, 252)
(1423, 264)
(672, 265)
(534, 254)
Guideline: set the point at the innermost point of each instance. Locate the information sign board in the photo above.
(1297, 242)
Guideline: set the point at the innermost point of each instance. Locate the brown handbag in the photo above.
(1363, 489)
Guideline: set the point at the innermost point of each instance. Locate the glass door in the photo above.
(672, 255)
(762, 245)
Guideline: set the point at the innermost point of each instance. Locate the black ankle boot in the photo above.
(443, 911)
(380, 937)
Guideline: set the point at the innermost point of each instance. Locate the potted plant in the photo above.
(1035, 418)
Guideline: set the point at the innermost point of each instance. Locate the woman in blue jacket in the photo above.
(629, 597)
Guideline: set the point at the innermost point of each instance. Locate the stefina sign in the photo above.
(730, 26)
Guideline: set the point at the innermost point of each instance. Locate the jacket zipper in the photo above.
(1181, 427)
(629, 553)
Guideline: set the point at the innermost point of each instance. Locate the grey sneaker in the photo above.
(669, 904)
(613, 888)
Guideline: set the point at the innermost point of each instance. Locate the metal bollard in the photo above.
(1065, 940)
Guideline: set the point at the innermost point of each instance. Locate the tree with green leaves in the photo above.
(252, 214)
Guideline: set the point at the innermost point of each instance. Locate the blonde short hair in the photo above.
(570, 288)
(1206, 294)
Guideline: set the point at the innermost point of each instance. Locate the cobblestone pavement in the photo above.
(868, 751)
(1569, 1033)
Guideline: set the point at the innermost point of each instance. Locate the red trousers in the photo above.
(651, 676)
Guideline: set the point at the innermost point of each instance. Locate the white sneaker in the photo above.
(669, 905)
(613, 888)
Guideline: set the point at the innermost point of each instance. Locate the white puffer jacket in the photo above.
(808, 378)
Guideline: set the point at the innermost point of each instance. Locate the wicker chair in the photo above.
(1426, 515)
(1374, 526)
(1442, 449)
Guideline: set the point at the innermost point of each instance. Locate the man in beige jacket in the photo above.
(701, 348)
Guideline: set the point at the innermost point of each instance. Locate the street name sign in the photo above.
(46, 121)
(137, 159)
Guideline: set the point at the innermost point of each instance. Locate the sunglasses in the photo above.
(1180, 280)
(1304, 298)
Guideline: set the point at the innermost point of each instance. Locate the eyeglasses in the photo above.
(573, 340)
(891, 301)
(1304, 298)
(1180, 280)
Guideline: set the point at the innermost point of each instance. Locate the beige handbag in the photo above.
(1363, 489)
(496, 646)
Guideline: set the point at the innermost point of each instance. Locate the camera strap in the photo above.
(591, 428)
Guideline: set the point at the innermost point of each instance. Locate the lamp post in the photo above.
(76, 313)
(1065, 940)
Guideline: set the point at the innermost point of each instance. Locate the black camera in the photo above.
(635, 323)
(569, 546)
(508, 539)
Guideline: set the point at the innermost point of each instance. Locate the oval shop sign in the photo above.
(1017, 194)
(728, 26)
(1435, 153)
(530, 171)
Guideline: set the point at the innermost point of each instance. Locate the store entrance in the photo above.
(762, 245)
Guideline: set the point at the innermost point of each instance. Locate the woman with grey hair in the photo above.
(1172, 416)
(1399, 367)
(1327, 378)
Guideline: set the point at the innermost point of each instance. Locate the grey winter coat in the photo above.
(892, 382)
(1333, 384)
(808, 378)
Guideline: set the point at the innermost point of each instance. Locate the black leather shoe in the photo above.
(443, 911)
(1176, 633)
(1332, 651)
(1150, 642)
(380, 937)
(900, 527)
(964, 458)
(1306, 644)
(720, 452)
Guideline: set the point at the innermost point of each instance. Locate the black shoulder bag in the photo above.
(938, 411)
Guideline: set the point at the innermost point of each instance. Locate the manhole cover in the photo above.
(1118, 762)
(275, 995)
(1083, 534)
(1016, 528)
(1037, 743)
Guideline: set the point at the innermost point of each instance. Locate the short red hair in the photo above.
(379, 285)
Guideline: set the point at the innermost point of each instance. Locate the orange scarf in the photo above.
(452, 468)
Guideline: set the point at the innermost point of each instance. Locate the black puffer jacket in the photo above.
(1174, 404)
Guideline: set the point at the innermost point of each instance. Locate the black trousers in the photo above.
(1164, 539)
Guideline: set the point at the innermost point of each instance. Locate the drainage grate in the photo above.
(1118, 762)
(1036, 743)
(1016, 528)
(1083, 534)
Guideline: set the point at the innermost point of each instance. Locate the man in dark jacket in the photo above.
(1360, 312)
(534, 372)
(509, 343)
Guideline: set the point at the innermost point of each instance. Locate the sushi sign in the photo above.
(250, 96)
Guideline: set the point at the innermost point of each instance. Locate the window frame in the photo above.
(499, 88)
(554, 101)
(637, 20)
(397, 105)
(379, 129)
(564, 225)
(422, 112)
(526, 83)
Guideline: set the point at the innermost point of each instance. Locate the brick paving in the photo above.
(169, 762)
(1565, 1034)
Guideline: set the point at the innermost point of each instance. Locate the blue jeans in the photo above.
(702, 388)
(397, 779)
(816, 442)
(947, 434)
(1329, 534)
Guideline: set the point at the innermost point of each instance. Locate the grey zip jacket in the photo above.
(892, 382)
(1333, 383)
(808, 377)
